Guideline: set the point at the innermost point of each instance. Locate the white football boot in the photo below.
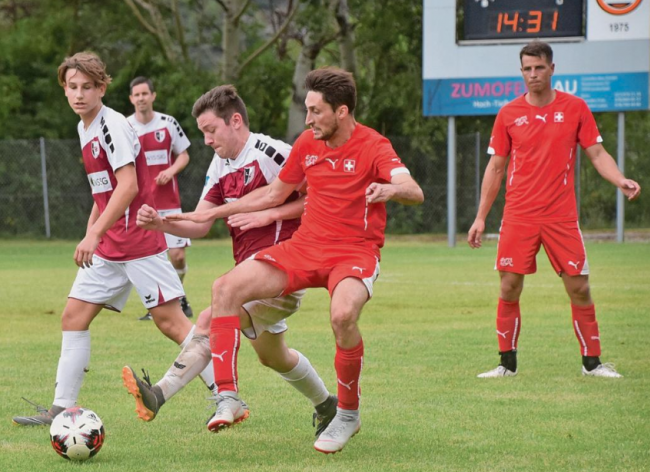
(500, 371)
(230, 410)
(603, 370)
(338, 433)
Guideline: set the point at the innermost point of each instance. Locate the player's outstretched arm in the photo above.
(259, 199)
(489, 190)
(607, 168)
(257, 219)
(402, 189)
(148, 218)
(124, 193)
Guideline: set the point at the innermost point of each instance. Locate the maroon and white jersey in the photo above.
(108, 144)
(162, 140)
(227, 180)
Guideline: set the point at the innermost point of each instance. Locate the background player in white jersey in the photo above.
(243, 162)
(165, 148)
(115, 255)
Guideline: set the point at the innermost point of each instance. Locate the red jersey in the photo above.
(542, 144)
(335, 209)
(162, 140)
(227, 180)
(108, 144)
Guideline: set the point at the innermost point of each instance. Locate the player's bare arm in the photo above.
(125, 191)
(259, 199)
(165, 176)
(402, 189)
(607, 168)
(94, 214)
(258, 219)
(489, 190)
(148, 218)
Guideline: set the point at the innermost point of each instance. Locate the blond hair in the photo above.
(89, 64)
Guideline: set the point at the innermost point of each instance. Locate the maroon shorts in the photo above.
(519, 244)
(316, 265)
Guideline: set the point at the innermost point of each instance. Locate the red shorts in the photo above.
(519, 244)
(317, 265)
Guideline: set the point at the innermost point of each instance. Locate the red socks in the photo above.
(586, 329)
(224, 344)
(348, 364)
(508, 325)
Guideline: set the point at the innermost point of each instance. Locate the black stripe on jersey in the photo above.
(107, 136)
(279, 159)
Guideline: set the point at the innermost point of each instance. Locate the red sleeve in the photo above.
(293, 172)
(387, 162)
(214, 195)
(500, 142)
(588, 133)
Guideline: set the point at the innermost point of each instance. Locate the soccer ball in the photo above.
(77, 433)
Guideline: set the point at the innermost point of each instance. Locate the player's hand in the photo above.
(83, 254)
(164, 177)
(475, 234)
(246, 221)
(148, 218)
(194, 216)
(630, 189)
(379, 193)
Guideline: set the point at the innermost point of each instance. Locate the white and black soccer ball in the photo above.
(77, 433)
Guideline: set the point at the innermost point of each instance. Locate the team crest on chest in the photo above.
(160, 135)
(522, 120)
(310, 160)
(249, 173)
(94, 148)
(349, 165)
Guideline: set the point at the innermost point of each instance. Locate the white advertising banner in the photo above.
(617, 20)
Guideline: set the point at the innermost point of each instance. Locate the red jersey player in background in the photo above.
(350, 171)
(165, 148)
(243, 162)
(115, 255)
(540, 131)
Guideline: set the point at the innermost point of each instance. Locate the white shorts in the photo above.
(174, 242)
(270, 314)
(109, 283)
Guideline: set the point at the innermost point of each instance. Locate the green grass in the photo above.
(428, 331)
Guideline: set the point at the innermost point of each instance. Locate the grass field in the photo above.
(428, 332)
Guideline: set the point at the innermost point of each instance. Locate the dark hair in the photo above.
(537, 49)
(141, 80)
(336, 85)
(87, 63)
(223, 101)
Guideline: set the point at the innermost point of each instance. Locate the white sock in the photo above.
(194, 359)
(75, 357)
(181, 273)
(303, 377)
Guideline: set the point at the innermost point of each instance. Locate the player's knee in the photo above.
(511, 290)
(580, 292)
(343, 319)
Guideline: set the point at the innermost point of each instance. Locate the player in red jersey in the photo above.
(115, 255)
(540, 132)
(350, 171)
(243, 162)
(165, 147)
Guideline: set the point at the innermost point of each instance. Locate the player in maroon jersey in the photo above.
(540, 132)
(350, 171)
(244, 162)
(165, 148)
(115, 255)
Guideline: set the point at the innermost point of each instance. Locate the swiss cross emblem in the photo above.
(160, 135)
(349, 165)
(558, 117)
(94, 148)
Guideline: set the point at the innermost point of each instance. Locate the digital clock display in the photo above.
(522, 19)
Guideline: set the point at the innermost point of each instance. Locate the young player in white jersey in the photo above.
(243, 162)
(165, 149)
(116, 254)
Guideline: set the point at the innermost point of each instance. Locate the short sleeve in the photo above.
(588, 133)
(120, 141)
(500, 142)
(180, 142)
(212, 188)
(274, 155)
(293, 172)
(387, 162)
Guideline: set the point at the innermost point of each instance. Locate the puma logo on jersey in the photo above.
(332, 161)
(574, 264)
(346, 385)
(540, 117)
(360, 269)
(219, 356)
(502, 334)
